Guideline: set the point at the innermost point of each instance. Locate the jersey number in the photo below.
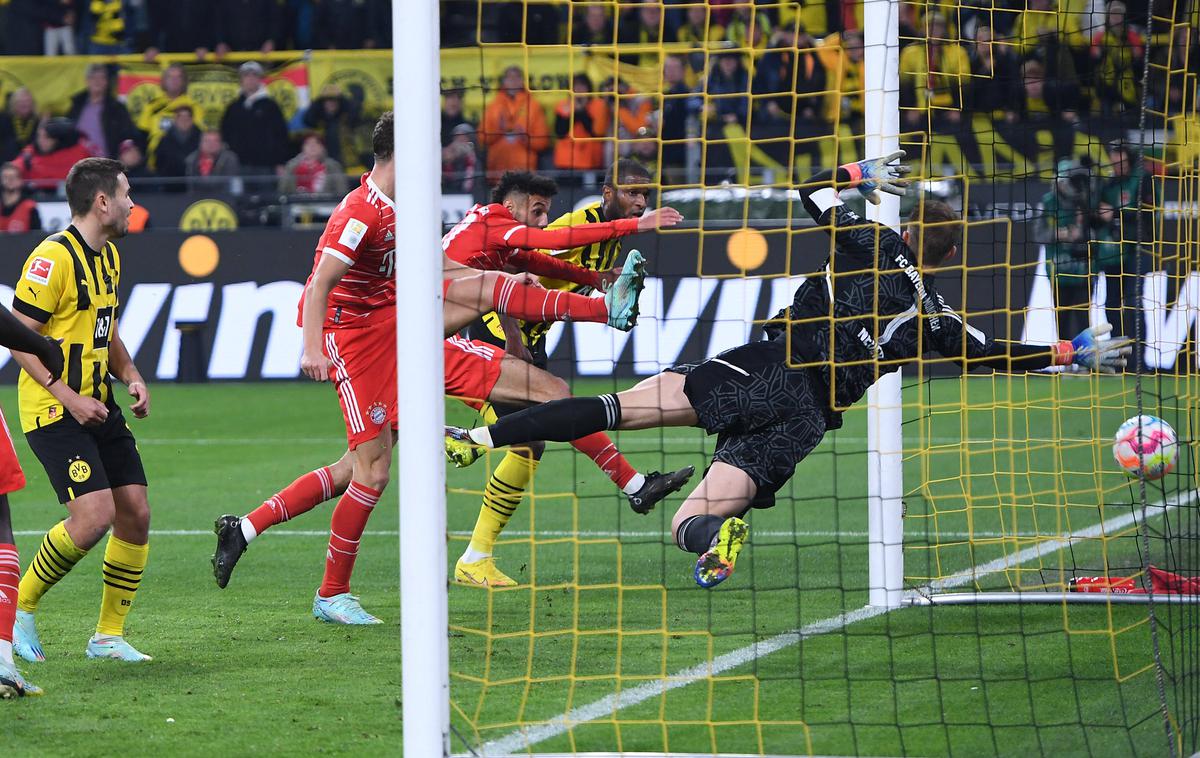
(388, 266)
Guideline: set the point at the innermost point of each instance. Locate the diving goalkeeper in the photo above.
(872, 311)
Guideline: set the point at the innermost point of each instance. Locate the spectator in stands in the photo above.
(635, 115)
(679, 103)
(592, 27)
(994, 70)
(1117, 52)
(1042, 103)
(514, 127)
(182, 26)
(701, 32)
(642, 25)
(790, 76)
(211, 161)
(338, 119)
(247, 25)
(1063, 229)
(99, 116)
(846, 103)
(180, 141)
(158, 114)
(452, 114)
(728, 88)
(1129, 191)
(56, 147)
(18, 211)
(529, 22)
(459, 160)
(581, 121)
(134, 160)
(313, 172)
(749, 27)
(934, 74)
(351, 24)
(58, 30)
(104, 26)
(23, 25)
(253, 126)
(18, 124)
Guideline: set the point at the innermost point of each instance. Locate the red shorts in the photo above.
(472, 369)
(12, 478)
(364, 375)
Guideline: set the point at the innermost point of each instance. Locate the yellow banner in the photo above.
(362, 75)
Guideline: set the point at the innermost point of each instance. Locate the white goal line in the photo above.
(526, 737)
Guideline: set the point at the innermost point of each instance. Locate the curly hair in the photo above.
(523, 183)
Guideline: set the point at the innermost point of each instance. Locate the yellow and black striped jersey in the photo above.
(599, 256)
(72, 289)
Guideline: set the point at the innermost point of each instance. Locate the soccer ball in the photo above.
(1156, 442)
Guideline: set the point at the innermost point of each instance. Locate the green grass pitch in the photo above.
(613, 605)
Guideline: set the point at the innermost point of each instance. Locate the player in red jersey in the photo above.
(17, 336)
(353, 274)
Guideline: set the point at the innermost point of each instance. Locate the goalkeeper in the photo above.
(874, 310)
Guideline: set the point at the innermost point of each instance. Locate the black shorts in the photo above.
(79, 459)
(767, 417)
(478, 330)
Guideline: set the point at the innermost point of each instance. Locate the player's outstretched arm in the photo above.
(17, 336)
(587, 234)
(869, 177)
(1091, 349)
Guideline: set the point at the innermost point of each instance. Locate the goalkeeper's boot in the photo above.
(12, 684)
(25, 638)
(482, 573)
(716, 565)
(231, 543)
(657, 487)
(461, 450)
(342, 609)
(107, 646)
(622, 296)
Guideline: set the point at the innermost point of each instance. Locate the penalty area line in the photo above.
(525, 738)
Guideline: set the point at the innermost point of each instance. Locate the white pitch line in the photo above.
(595, 534)
(525, 738)
(626, 441)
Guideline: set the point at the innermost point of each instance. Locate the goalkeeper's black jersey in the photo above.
(870, 311)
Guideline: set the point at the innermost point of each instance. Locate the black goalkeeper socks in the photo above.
(696, 534)
(558, 421)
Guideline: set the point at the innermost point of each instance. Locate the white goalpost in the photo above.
(885, 445)
(421, 474)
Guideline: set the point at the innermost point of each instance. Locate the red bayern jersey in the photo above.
(362, 233)
(489, 238)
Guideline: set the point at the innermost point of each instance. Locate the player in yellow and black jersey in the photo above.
(624, 195)
(68, 291)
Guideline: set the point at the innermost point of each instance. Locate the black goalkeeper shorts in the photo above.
(767, 417)
(79, 460)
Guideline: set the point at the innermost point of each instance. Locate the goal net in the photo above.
(961, 568)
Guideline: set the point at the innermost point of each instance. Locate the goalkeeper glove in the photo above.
(874, 175)
(1094, 351)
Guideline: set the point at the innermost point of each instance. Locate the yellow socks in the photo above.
(53, 560)
(124, 563)
(500, 500)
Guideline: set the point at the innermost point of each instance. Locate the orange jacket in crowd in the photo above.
(514, 132)
(576, 150)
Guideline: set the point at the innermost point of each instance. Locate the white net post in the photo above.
(885, 481)
(421, 474)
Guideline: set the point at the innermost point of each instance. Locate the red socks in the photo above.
(345, 531)
(604, 453)
(536, 304)
(10, 576)
(301, 496)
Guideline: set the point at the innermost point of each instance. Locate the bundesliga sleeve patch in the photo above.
(39, 270)
(353, 233)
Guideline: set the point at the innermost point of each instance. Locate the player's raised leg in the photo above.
(469, 297)
(12, 684)
(372, 462)
(234, 534)
(708, 522)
